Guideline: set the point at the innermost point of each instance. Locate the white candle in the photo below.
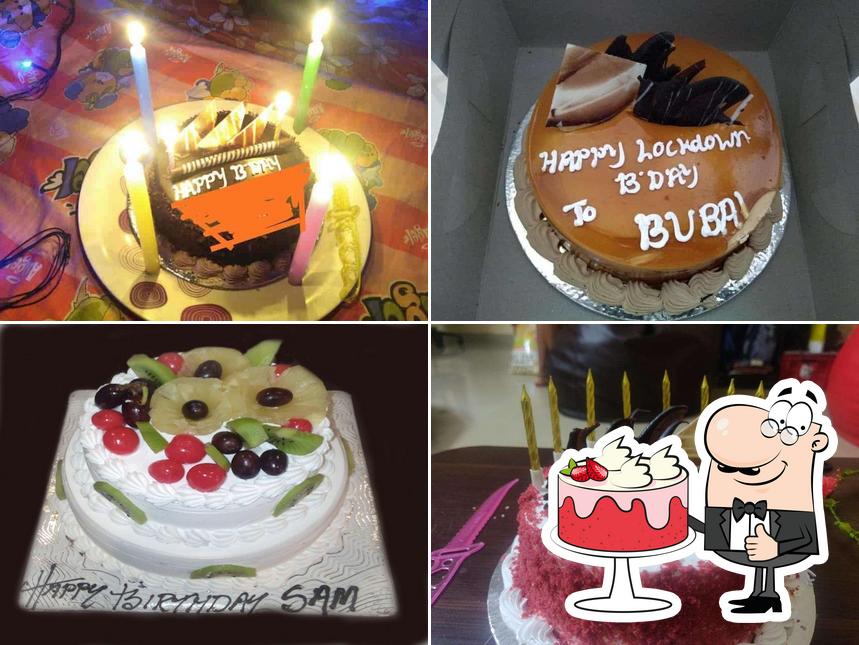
(141, 79)
(134, 147)
(169, 134)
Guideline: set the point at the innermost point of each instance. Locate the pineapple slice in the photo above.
(167, 401)
(309, 396)
(231, 360)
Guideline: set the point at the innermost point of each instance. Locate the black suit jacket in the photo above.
(795, 531)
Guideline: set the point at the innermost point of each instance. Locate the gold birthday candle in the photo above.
(666, 391)
(705, 393)
(627, 399)
(732, 389)
(760, 392)
(590, 402)
(554, 416)
(530, 434)
(342, 217)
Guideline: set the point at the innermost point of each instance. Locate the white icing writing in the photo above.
(217, 178)
(572, 160)
(681, 147)
(658, 179)
(581, 212)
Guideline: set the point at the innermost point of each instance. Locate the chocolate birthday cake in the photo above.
(228, 204)
(650, 172)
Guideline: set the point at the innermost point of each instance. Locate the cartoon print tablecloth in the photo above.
(369, 102)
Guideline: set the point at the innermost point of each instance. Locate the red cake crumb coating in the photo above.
(546, 580)
(610, 528)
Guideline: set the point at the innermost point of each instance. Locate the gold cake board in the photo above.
(116, 259)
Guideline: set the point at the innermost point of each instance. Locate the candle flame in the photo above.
(136, 31)
(321, 24)
(168, 133)
(282, 103)
(333, 167)
(133, 146)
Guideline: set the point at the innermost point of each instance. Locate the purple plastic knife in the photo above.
(447, 560)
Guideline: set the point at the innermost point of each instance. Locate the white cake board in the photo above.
(344, 572)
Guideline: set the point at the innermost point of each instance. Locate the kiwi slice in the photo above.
(297, 493)
(217, 456)
(251, 431)
(291, 441)
(223, 571)
(151, 436)
(263, 353)
(121, 501)
(146, 367)
(59, 487)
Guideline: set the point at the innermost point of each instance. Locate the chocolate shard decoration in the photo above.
(228, 127)
(578, 438)
(253, 133)
(592, 87)
(664, 424)
(189, 137)
(629, 421)
(668, 96)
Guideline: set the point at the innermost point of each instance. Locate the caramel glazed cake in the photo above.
(215, 150)
(650, 172)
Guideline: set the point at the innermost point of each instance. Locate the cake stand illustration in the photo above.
(621, 598)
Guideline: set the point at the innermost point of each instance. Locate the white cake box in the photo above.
(498, 55)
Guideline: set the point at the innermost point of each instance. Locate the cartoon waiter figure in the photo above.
(763, 508)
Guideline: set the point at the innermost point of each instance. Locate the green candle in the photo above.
(321, 22)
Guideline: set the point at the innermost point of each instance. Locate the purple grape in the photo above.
(245, 464)
(273, 462)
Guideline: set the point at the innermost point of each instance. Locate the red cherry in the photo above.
(166, 471)
(172, 360)
(297, 423)
(280, 368)
(596, 470)
(206, 477)
(121, 441)
(107, 419)
(580, 474)
(185, 448)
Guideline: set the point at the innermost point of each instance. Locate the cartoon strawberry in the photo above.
(580, 473)
(595, 470)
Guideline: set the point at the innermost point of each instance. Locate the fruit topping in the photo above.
(263, 353)
(151, 369)
(217, 457)
(107, 419)
(596, 471)
(206, 477)
(230, 361)
(121, 501)
(134, 413)
(120, 440)
(140, 390)
(245, 464)
(110, 396)
(299, 424)
(227, 443)
(209, 369)
(224, 571)
(297, 493)
(273, 462)
(152, 437)
(580, 473)
(273, 397)
(173, 360)
(250, 430)
(195, 410)
(59, 487)
(168, 406)
(185, 448)
(293, 442)
(166, 471)
(309, 397)
(280, 368)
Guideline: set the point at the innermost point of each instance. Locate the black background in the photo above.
(383, 367)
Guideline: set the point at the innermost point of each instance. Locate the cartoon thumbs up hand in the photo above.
(761, 546)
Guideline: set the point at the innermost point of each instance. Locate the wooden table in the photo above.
(463, 478)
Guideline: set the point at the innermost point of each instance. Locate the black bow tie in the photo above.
(740, 508)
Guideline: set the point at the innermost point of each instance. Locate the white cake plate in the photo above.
(621, 599)
(115, 256)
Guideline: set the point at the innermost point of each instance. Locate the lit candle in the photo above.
(627, 397)
(136, 32)
(321, 23)
(333, 169)
(282, 103)
(531, 438)
(133, 147)
(705, 393)
(169, 134)
(731, 388)
(760, 392)
(555, 419)
(666, 391)
(590, 403)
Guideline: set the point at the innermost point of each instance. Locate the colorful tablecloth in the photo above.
(369, 102)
